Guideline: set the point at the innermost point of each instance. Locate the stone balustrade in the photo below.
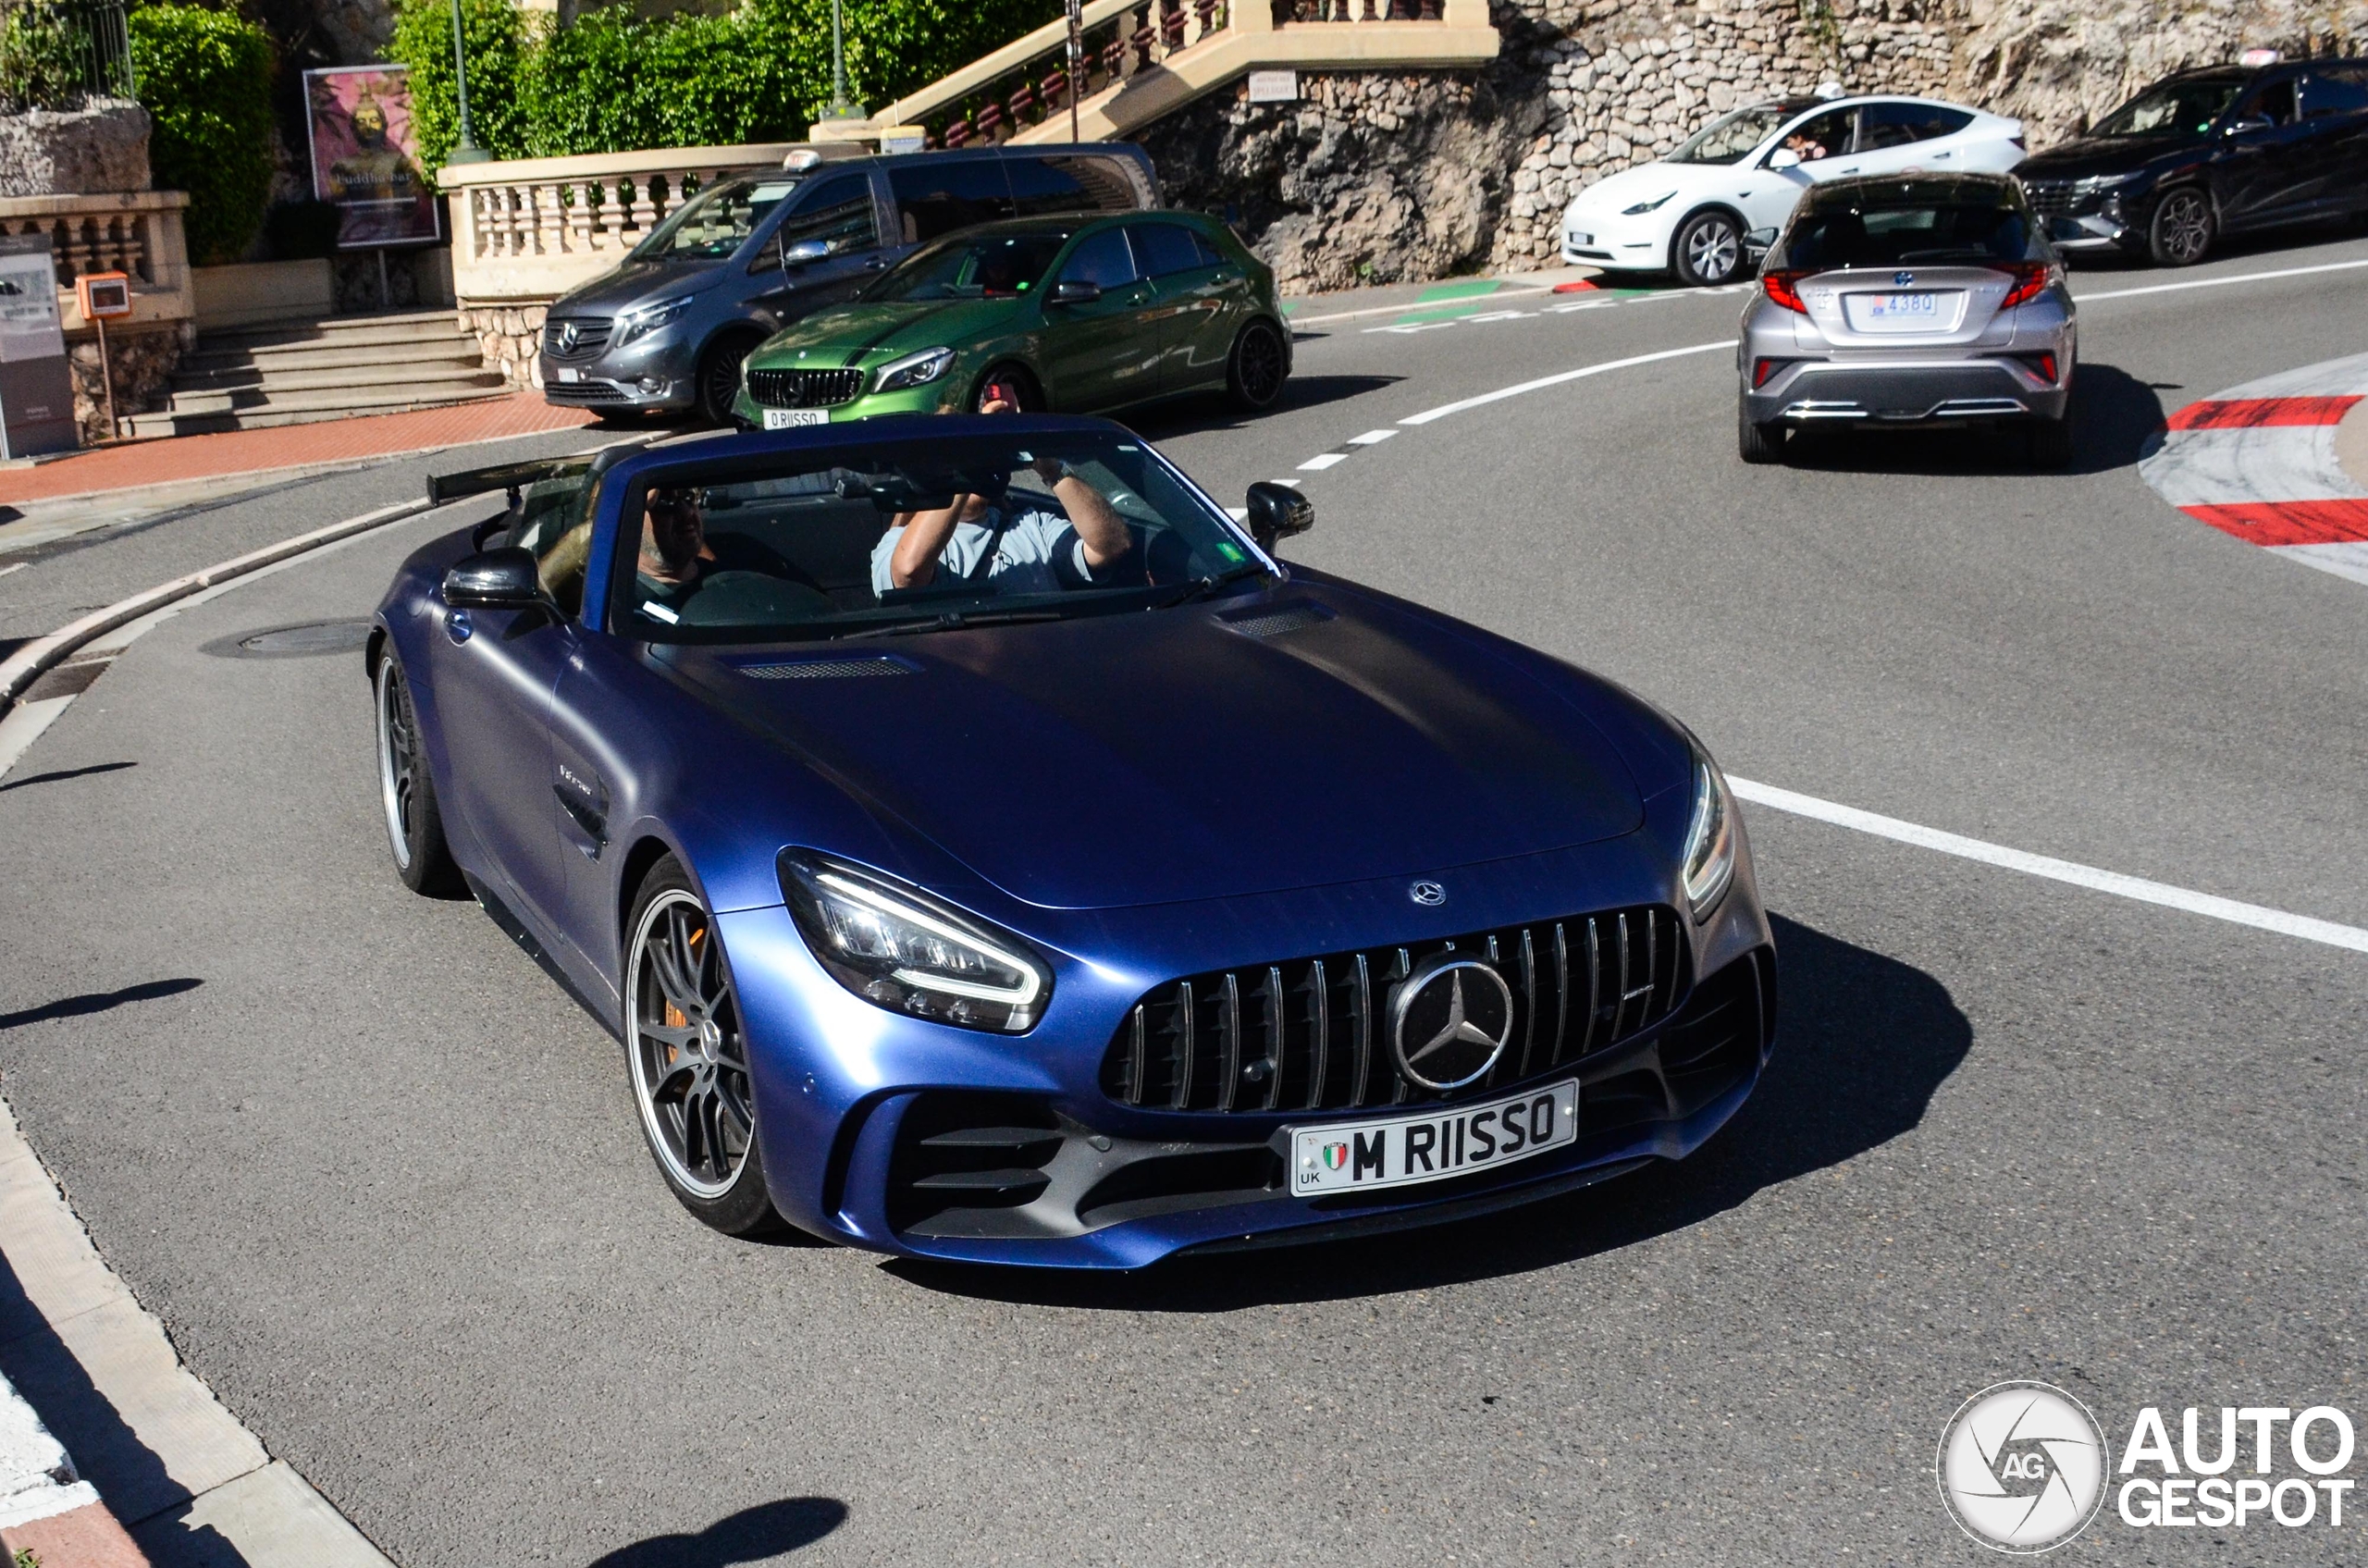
(135, 232)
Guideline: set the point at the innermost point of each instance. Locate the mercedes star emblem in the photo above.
(1449, 1021)
(568, 339)
(1427, 893)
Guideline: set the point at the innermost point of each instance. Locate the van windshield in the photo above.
(993, 267)
(718, 220)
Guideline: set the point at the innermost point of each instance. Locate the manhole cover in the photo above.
(294, 642)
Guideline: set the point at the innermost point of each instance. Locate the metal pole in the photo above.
(106, 375)
(1076, 64)
(838, 65)
(467, 150)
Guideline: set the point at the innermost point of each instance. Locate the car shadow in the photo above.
(1197, 412)
(1863, 1042)
(2115, 419)
(753, 1535)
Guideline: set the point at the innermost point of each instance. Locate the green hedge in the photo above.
(41, 60)
(205, 78)
(615, 81)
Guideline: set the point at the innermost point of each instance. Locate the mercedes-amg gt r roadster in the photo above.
(986, 849)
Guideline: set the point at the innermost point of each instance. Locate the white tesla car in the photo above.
(1695, 212)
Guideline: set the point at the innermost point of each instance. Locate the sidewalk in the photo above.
(181, 459)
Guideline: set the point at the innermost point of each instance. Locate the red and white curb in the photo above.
(2258, 462)
(45, 1508)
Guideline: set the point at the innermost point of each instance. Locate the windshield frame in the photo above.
(657, 244)
(1783, 118)
(616, 543)
(875, 292)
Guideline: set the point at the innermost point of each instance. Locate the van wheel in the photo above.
(719, 383)
(1013, 385)
(2183, 228)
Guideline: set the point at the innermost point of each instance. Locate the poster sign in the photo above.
(366, 157)
(1274, 87)
(29, 325)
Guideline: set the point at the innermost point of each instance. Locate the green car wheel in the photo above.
(1258, 366)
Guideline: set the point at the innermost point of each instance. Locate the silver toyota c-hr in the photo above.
(1909, 300)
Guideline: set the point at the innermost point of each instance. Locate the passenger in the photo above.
(1005, 539)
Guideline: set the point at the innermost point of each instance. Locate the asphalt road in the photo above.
(384, 1184)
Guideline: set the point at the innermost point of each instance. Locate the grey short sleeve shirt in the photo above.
(1040, 552)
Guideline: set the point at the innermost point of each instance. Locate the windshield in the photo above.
(2174, 108)
(1906, 233)
(718, 220)
(920, 537)
(996, 267)
(1727, 139)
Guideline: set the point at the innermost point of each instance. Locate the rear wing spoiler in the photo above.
(510, 476)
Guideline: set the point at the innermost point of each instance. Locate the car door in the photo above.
(1198, 299)
(2334, 108)
(841, 211)
(2264, 169)
(1100, 353)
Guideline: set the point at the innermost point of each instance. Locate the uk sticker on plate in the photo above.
(1402, 1150)
(791, 418)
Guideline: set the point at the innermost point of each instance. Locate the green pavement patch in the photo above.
(1465, 289)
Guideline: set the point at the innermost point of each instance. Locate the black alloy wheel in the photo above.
(1256, 369)
(2183, 228)
(1013, 385)
(414, 825)
(689, 1059)
(719, 372)
(1756, 442)
(1707, 250)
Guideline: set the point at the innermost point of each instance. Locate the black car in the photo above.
(2208, 153)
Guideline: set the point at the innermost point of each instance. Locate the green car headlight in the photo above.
(914, 370)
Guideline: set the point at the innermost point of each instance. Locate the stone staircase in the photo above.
(245, 378)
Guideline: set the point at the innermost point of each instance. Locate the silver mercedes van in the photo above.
(668, 327)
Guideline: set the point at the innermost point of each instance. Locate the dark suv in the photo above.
(754, 252)
(2208, 153)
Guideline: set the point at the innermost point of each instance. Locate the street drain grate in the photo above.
(294, 642)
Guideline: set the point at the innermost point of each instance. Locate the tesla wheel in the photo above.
(1013, 385)
(1256, 369)
(689, 1057)
(1707, 250)
(414, 826)
(2051, 442)
(1757, 442)
(719, 375)
(2183, 228)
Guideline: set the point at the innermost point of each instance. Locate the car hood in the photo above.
(843, 334)
(1175, 755)
(2091, 156)
(1643, 183)
(634, 283)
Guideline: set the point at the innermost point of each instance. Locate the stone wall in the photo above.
(1376, 178)
(508, 337)
(143, 358)
(100, 147)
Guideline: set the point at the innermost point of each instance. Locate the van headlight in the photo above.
(1710, 865)
(898, 948)
(914, 370)
(648, 318)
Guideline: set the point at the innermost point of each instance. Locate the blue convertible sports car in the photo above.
(985, 848)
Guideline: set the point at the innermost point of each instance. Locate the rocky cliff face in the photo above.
(100, 147)
(1381, 178)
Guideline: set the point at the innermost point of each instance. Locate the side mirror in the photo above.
(1277, 511)
(2249, 125)
(1075, 291)
(1783, 157)
(805, 251)
(495, 579)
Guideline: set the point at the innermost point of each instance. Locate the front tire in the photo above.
(1707, 251)
(1758, 443)
(719, 375)
(406, 792)
(2182, 229)
(1016, 385)
(1256, 368)
(689, 1057)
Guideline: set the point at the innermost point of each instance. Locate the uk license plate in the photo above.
(791, 418)
(1402, 1151)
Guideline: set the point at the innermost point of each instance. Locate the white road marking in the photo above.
(1238, 514)
(1371, 437)
(2217, 282)
(1543, 382)
(2114, 883)
(18, 567)
(1322, 461)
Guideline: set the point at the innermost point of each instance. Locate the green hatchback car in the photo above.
(1073, 314)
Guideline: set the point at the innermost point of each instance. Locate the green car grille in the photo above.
(805, 389)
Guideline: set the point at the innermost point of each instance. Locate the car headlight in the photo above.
(1641, 207)
(647, 319)
(914, 370)
(1710, 840)
(900, 949)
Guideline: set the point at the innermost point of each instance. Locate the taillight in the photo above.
(1780, 288)
(2031, 279)
(1763, 371)
(2042, 365)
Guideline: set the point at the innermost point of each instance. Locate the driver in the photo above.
(678, 559)
(1005, 540)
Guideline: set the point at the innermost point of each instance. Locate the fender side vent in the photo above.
(827, 669)
(1276, 622)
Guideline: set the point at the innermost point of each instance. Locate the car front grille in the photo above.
(1310, 1034)
(583, 392)
(803, 389)
(2051, 198)
(575, 337)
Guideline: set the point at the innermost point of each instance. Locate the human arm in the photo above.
(914, 563)
(1099, 528)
